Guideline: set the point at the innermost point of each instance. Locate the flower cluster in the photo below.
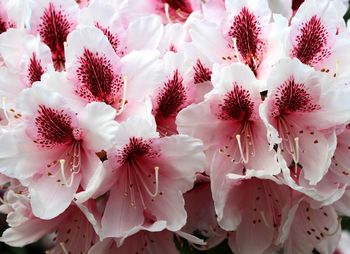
(126, 123)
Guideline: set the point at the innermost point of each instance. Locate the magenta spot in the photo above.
(237, 104)
(112, 38)
(296, 4)
(53, 127)
(3, 26)
(201, 73)
(54, 29)
(293, 97)
(180, 5)
(246, 30)
(172, 97)
(172, 48)
(98, 81)
(136, 148)
(35, 70)
(311, 42)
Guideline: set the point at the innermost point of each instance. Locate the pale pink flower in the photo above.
(201, 217)
(25, 228)
(26, 57)
(56, 146)
(53, 21)
(170, 10)
(13, 14)
(230, 41)
(98, 74)
(312, 228)
(146, 176)
(142, 242)
(256, 207)
(140, 33)
(296, 113)
(317, 37)
(228, 123)
(180, 87)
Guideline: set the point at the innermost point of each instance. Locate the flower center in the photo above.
(201, 73)
(98, 80)
(54, 29)
(35, 70)
(245, 33)
(240, 147)
(293, 97)
(140, 177)
(311, 42)
(53, 126)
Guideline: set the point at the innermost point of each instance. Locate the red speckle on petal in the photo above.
(98, 81)
(293, 97)
(172, 97)
(201, 73)
(246, 30)
(311, 42)
(137, 147)
(112, 38)
(53, 127)
(35, 70)
(54, 29)
(237, 104)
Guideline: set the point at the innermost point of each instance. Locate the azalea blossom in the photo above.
(145, 175)
(57, 147)
(152, 126)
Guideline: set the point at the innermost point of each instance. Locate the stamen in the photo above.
(234, 40)
(179, 13)
(156, 173)
(63, 247)
(296, 140)
(166, 10)
(337, 63)
(264, 218)
(244, 158)
(5, 108)
(122, 104)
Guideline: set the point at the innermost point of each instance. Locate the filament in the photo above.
(122, 104)
(63, 247)
(234, 40)
(5, 108)
(166, 10)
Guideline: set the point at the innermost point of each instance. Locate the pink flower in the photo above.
(57, 147)
(146, 176)
(316, 37)
(182, 86)
(142, 242)
(25, 228)
(231, 41)
(25, 56)
(53, 21)
(228, 122)
(98, 74)
(256, 207)
(312, 228)
(201, 217)
(13, 14)
(296, 113)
